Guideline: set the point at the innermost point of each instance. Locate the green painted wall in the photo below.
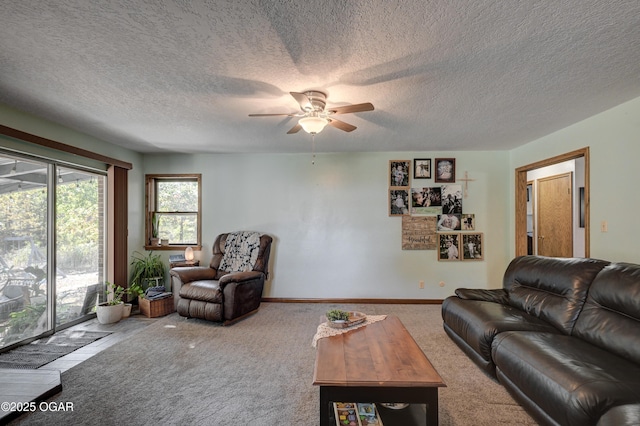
(333, 235)
(28, 123)
(613, 138)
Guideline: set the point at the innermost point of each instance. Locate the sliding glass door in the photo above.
(79, 218)
(51, 246)
(24, 291)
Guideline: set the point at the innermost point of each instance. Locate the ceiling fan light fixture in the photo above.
(313, 125)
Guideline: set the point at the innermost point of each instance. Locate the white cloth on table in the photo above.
(325, 330)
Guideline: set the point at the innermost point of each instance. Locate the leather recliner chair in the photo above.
(230, 288)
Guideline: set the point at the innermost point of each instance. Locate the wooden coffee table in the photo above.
(377, 363)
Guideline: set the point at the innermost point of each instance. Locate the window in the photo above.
(173, 211)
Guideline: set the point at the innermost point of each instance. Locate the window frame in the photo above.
(151, 181)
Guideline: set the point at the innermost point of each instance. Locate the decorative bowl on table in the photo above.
(394, 405)
(344, 319)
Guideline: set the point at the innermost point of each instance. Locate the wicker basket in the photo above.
(156, 308)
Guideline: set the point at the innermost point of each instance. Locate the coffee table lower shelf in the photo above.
(414, 396)
(413, 415)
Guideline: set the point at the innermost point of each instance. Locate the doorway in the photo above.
(524, 191)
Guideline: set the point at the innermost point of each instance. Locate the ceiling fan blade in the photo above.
(351, 108)
(274, 115)
(294, 129)
(303, 100)
(341, 125)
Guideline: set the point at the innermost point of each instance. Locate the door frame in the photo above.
(521, 198)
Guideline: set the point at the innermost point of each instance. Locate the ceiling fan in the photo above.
(315, 115)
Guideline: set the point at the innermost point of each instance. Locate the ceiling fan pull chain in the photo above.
(313, 148)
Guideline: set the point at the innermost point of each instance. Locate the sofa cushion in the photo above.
(204, 290)
(477, 323)
(572, 381)
(552, 289)
(622, 415)
(610, 318)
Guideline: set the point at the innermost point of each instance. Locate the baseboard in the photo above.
(366, 301)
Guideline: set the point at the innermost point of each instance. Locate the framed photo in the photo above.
(445, 170)
(427, 200)
(398, 202)
(448, 246)
(422, 168)
(399, 173)
(449, 222)
(468, 222)
(472, 247)
(451, 199)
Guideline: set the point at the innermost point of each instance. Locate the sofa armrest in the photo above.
(499, 295)
(621, 415)
(186, 274)
(239, 277)
(242, 293)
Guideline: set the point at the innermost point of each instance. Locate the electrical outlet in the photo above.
(421, 284)
(604, 226)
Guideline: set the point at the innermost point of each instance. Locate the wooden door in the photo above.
(555, 216)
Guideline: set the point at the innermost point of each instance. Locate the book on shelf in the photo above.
(356, 414)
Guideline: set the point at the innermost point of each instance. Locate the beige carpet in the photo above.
(256, 372)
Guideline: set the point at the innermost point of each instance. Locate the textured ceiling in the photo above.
(182, 75)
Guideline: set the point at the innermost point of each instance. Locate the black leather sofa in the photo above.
(561, 335)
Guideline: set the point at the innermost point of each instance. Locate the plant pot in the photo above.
(164, 242)
(126, 310)
(155, 241)
(108, 314)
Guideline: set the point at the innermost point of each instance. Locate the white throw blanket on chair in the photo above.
(240, 251)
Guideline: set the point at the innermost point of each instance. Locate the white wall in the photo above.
(614, 141)
(333, 236)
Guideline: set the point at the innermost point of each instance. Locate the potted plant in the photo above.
(135, 290)
(111, 311)
(146, 268)
(337, 315)
(338, 318)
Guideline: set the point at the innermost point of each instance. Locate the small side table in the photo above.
(185, 263)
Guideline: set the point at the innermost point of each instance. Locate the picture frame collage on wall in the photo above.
(455, 237)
